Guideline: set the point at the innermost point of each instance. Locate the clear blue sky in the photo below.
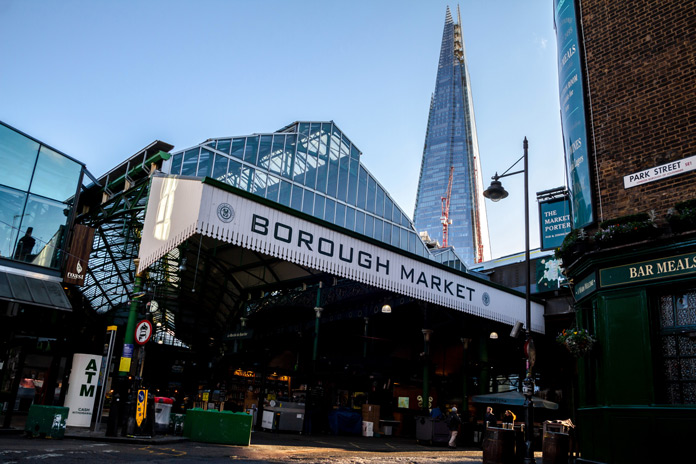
(99, 80)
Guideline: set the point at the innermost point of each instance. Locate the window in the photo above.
(233, 173)
(238, 148)
(11, 217)
(190, 163)
(340, 214)
(224, 146)
(251, 149)
(19, 152)
(55, 175)
(220, 167)
(319, 206)
(296, 201)
(176, 163)
(204, 162)
(308, 202)
(285, 189)
(265, 151)
(330, 210)
(44, 227)
(677, 347)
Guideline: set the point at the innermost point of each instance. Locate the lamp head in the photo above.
(495, 192)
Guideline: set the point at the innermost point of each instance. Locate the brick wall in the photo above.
(641, 73)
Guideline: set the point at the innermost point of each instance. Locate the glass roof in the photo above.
(311, 167)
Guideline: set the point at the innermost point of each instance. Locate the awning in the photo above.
(37, 292)
(179, 208)
(513, 398)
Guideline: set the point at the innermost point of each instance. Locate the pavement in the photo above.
(288, 446)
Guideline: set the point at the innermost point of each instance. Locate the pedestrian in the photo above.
(453, 421)
(490, 419)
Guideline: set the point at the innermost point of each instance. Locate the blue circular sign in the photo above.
(141, 396)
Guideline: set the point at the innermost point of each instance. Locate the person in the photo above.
(453, 421)
(490, 419)
(509, 418)
(25, 245)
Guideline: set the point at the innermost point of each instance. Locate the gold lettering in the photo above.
(661, 267)
(633, 273)
(649, 269)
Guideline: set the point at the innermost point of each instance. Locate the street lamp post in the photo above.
(496, 192)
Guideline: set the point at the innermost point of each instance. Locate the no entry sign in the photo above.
(143, 332)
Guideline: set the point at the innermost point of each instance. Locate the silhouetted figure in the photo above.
(25, 245)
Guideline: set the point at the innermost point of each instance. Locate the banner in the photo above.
(82, 389)
(572, 96)
(78, 257)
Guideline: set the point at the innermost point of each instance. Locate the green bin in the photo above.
(46, 421)
(229, 428)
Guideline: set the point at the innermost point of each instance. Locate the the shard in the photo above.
(451, 148)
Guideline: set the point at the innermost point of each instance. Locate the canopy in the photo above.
(512, 398)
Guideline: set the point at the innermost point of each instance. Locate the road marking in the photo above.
(351, 443)
(391, 446)
(164, 451)
(44, 456)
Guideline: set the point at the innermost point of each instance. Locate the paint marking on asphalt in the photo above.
(12, 452)
(355, 445)
(391, 446)
(44, 456)
(323, 442)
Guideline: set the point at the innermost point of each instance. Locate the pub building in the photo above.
(626, 90)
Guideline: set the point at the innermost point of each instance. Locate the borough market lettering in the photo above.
(305, 240)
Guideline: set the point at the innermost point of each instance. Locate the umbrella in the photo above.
(512, 398)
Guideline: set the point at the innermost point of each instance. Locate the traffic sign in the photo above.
(143, 332)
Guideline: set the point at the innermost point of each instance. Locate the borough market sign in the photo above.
(180, 207)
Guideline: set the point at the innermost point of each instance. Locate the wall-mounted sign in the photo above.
(585, 287)
(660, 172)
(83, 389)
(572, 96)
(78, 258)
(648, 270)
(554, 222)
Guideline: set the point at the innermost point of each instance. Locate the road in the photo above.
(338, 450)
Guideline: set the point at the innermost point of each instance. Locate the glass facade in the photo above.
(450, 141)
(37, 186)
(310, 167)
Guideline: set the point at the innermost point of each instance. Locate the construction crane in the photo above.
(444, 216)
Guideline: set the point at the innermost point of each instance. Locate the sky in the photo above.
(100, 80)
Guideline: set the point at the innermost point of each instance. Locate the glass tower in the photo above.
(450, 142)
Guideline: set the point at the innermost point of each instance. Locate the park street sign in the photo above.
(660, 172)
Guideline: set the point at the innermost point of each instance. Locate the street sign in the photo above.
(143, 332)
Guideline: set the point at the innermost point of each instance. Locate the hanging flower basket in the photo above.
(578, 341)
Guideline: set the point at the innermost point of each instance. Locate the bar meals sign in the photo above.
(180, 207)
(648, 270)
(660, 172)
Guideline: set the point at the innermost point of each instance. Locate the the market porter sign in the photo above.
(648, 270)
(554, 217)
(179, 208)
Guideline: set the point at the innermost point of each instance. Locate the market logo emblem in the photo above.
(225, 212)
(78, 275)
(486, 298)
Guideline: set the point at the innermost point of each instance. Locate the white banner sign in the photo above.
(178, 208)
(83, 389)
(660, 172)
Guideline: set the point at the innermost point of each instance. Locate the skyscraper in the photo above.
(451, 146)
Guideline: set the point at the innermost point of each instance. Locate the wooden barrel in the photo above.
(499, 446)
(555, 448)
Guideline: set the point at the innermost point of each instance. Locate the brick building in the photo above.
(627, 80)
